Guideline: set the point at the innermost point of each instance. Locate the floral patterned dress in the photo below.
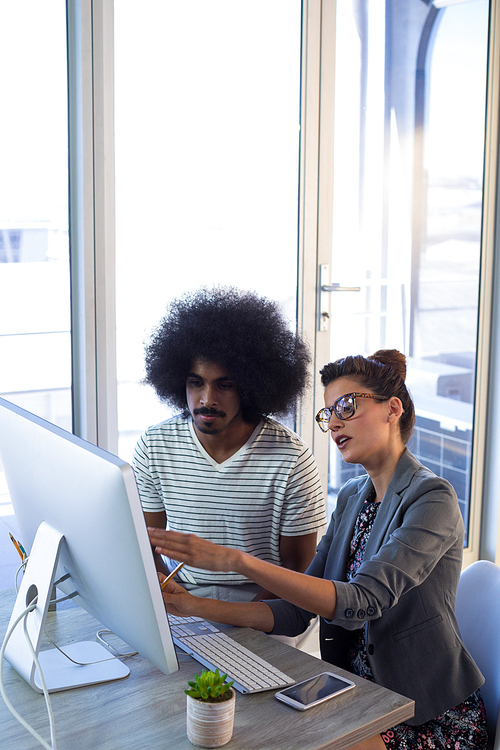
(462, 727)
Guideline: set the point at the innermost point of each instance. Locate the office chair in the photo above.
(478, 614)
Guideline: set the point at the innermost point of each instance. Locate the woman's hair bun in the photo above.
(392, 358)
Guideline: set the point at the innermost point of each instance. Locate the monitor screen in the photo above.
(63, 486)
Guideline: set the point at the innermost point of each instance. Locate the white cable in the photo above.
(116, 654)
(21, 567)
(9, 705)
(42, 680)
(104, 642)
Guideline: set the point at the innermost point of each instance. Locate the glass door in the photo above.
(410, 88)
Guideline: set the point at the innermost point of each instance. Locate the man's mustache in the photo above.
(205, 411)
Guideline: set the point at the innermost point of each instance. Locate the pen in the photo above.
(16, 545)
(171, 575)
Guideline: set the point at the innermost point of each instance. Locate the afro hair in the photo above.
(239, 330)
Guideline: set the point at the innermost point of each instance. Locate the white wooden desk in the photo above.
(147, 709)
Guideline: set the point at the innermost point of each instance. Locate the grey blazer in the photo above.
(403, 593)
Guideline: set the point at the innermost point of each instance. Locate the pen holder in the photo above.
(210, 724)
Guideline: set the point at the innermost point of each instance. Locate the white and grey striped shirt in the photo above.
(269, 488)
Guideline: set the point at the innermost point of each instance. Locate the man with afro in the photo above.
(224, 468)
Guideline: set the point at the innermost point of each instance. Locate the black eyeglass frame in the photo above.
(324, 415)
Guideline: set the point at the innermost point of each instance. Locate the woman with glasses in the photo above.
(385, 574)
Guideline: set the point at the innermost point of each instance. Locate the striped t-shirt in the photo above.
(270, 487)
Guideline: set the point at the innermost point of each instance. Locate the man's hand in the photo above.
(177, 600)
(194, 550)
(180, 602)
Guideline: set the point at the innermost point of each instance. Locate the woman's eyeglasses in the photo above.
(344, 408)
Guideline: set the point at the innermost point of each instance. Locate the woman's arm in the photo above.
(313, 594)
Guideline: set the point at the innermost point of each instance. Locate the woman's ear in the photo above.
(395, 407)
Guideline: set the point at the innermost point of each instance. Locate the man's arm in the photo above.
(157, 521)
(257, 615)
(296, 553)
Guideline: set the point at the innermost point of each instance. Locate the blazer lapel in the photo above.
(339, 550)
(403, 474)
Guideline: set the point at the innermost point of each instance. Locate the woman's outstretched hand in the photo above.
(193, 550)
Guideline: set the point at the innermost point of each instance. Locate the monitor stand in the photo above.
(58, 671)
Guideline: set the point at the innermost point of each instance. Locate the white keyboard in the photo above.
(213, 648)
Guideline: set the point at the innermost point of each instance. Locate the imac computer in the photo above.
(81, 523)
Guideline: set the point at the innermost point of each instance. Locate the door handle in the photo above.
(325, 287)
(338, 288)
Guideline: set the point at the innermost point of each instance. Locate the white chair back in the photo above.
(478, 615)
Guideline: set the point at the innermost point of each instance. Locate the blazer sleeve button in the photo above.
(361, 613)
(370, 611)
(349, 612)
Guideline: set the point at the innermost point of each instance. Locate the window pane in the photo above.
(35, 350)
(445, 300)
(207, 134)
(34, 259)
(409, 141)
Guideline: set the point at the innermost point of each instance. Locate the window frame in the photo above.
(485, 478)
(92, 217)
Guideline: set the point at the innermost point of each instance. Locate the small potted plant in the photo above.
(210, 709)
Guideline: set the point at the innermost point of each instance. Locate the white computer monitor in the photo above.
(80, 519)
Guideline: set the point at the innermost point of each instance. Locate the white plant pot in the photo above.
(210, 724)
